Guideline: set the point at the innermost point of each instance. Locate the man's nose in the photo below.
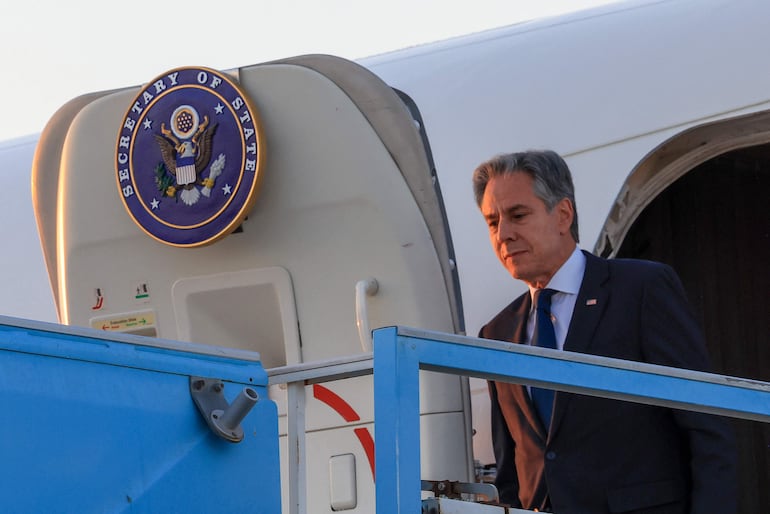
(506, 231)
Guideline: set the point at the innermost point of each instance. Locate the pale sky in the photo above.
(54, 51)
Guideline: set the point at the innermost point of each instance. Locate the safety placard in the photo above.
(125, 322)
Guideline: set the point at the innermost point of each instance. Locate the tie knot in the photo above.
(543, 298)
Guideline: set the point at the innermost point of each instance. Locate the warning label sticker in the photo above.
(126, 322)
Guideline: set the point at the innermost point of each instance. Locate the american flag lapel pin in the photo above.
(591, 301)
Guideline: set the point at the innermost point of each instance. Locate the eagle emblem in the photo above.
(170, 157)
(186, 152)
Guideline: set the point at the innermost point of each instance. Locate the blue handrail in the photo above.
(399, 354)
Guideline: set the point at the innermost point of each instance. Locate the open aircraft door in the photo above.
(315, 218)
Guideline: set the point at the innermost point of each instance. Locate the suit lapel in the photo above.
(591, 303)
(519, 318)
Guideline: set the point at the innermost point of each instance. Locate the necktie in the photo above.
(544, 337)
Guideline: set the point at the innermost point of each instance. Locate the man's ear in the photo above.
(566, 212)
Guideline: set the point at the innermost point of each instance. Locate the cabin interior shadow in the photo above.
(713, 226)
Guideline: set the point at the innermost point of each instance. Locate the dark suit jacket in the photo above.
(604, 455)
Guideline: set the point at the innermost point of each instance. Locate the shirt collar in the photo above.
(569, 277)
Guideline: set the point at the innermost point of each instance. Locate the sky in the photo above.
(54, 51)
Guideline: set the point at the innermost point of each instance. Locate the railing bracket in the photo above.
(222, 418)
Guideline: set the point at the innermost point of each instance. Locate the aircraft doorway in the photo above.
(712, 224)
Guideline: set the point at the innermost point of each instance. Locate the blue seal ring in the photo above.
(189, 157)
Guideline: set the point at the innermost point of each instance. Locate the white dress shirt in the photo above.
(566, 281)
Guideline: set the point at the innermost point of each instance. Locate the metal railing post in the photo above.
(397, 432)
(296, 447)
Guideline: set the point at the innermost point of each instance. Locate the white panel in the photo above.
(342, 482)
(439, 393)
(250, 309)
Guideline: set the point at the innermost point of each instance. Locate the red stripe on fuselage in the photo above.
(331, 399)
(347, 412)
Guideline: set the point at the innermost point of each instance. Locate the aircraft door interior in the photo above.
(345, 229)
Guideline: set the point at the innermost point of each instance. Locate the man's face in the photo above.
(531, 242)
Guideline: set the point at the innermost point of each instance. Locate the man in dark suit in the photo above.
(583, 454)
